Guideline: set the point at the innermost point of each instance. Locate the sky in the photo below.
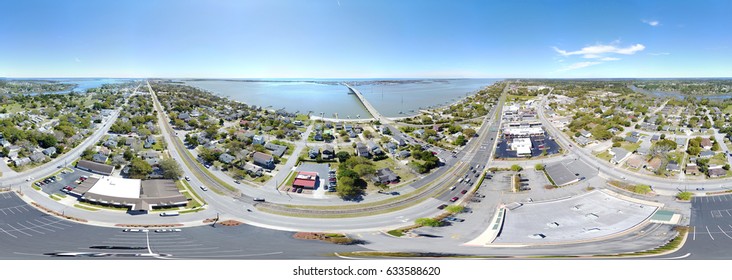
(366, 39)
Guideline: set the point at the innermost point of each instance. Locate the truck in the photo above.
(169, 214)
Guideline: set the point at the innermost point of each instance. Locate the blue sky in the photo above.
(366, 39)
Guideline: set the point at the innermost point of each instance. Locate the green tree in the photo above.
(367, 134)
(364, 169)
(343, 156)
(454, 209)
(139, 169)
(428, 222)
(516, 168)
(539, 167)
(171, 169)
(469, 132)
(459, 141)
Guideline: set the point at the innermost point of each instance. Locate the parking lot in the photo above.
(538, 145)
(63, 180)
(20, 220)
(710, 233)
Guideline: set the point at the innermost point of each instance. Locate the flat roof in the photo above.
(578, 219)
(560, 174)
(96, 167)
(117, 187)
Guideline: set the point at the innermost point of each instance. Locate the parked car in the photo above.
(135, 230)
(168, 230)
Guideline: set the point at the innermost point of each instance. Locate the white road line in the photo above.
(728, 213)
(39, 226)
(4, 231)
(11, 210)
(679, 257)
(49, 225)
(25, 227)
(3, 211)
(710, 233)
(15, 229)
(720, 228)
(694, 236)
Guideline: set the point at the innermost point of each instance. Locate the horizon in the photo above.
(323, 39)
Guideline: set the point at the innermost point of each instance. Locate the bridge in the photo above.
(368, 105)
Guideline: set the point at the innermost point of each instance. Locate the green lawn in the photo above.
(605, 156)
(727, 110)
(630, 146)
(718, 159)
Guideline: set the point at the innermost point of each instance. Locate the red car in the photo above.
(454, 199)
(464, 191)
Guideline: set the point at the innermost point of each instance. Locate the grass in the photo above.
(158, 146)
(719, 159)
(396, 232)
(290, 179)
(195, 200)
(54, 197)
(80, 206)
(605, 156)
(631, 147)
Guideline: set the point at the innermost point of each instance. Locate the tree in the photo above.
(139, 169)
(516, 168)
(171, 169)
(179, 123)
(346, 187)
(459, 141)
(469, 132)
(684, 195)
(428, 222)
(88, 154)
(539, 167)
(367, 134)
(454, 209)
(343, 156)
(364, 169)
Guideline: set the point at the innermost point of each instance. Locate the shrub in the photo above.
(684, 195)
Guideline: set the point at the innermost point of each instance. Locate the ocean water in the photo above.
(330, 98)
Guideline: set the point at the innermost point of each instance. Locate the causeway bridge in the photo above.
(368, 105)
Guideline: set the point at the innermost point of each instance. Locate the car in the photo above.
(454, 199)
(188, 178)
(135, 230)
(442, 206)
(38, 184)
(453, 188)
(237, 181)
(477, 174)
(259, 199)
(204, 188)
(394, 193)
(168, 230)
(464, 191)
(299, 190)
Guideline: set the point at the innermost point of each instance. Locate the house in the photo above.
(226, 158)
(49, 151)
(150, 140)
(635, 134)
(263, 160)
(149, 154)
(582, 141)
(655, 137)
(399, 139)
(22, 161)
(184, 116)
(681, 142)
(328, 152)
(585, 133)
(100, 158)
(635, 162)
(318, 136)
(419, 133)
(673, 166)
(362, 150)
(95, 167)
(313, 153)
(111, 143)
(252, 170)
(258, 139)
(385, 176)
(706, 154)
(706, 143)
(716, 171)
(37, 157)
(153, 161)
(619, 154)
(632, 139)
(404, 154)
(613, 130)
(373, 148)
(277, 150)
(391, 146)
(129, 141)
(352, 134)
(692, 169)
(643, 150)
(654, 164)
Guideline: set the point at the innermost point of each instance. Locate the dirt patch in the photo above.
(230, 223)
(334, 238)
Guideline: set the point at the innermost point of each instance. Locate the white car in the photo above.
(204, 188)
(135, 230)
(168, 230)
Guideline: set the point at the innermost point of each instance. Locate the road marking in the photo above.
(716, 213)
(720, 228)
(710, 233)
(11, 211)
(8, 233)
(694, 236)
(47, 224)
(3, 212)
(39, 226)
(728, 213)
(25, 227)
(15, 229)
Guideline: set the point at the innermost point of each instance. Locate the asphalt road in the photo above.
(710, 230)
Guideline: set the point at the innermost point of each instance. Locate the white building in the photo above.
(522, 146)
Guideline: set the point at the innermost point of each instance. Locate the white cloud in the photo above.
(579, 65)
(653, 23)
(597, 51)
(609, 58)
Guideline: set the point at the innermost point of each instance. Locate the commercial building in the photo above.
(305, 179)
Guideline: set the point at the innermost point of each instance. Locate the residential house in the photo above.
(635, 162)
(263, 160)
(706, 143)
(619, 154)
(613, 130)
(632, 139)
(313, 152)
(399, 139)
(328, 152)
(681, 142)
(716, 171)
(673, 166)
(37, 157)
(373, 148)
(362, 150)
(352, 134)
(277, 150)
(49, 151)
(110, 143)
(404, 154)
(252, 170)
(258, 139)
(706, 154)
(585, 133)
(582, 141)
(100, 158)
(149, 154)
(385, 176)
(22, 161)
(419, 133)
(226, 158)
(318, 136)
(692, 169)
(655, 137)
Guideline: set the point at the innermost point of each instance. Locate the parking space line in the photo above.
(710, 233)
(11, 210)
(47, 224)
(3, 211)
(728, 213)
(39, 226)
(4, 231)
(55, 222)
(694, 236)
(15, 229)
(31, 229)
(720, 228)
(716, 213)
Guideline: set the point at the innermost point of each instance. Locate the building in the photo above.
(94, 167)
(635, 162)
(585, 133)
(404, 154)
(100, 158)
(226, 158)
(313, 152)
(692, 169)
(49, 151)
(37, 157)
(706, 154)
(706, 143)
(135, 194)
(673, 166)
(263, 160)
(619, 154)
(522, 146)
(385, 176)
(362, 150)
(632, 139)
(258, 139)
(654, 164)
(277, 150)
(582, 141)
(716, 171)
(560, 175)
(522, 132)
(328, 152)
(252, 170)
(305, 179)
(22, 161)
